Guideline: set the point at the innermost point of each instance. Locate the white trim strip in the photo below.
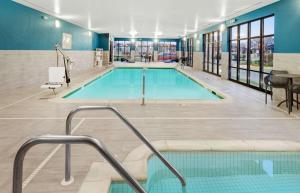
(157, 118)
(21, 100)
(199, 118)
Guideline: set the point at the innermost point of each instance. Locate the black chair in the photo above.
(296, 90)
(272, 81)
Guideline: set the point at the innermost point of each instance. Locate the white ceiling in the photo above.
(169, 18)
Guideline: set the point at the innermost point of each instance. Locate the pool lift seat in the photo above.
(56, 78)
(59, 75)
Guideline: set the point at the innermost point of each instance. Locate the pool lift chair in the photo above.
(58, 75)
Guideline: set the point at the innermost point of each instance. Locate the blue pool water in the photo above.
(126, 83)
(223, 172)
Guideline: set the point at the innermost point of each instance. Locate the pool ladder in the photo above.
(68, 140)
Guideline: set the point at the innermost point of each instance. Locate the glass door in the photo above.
(138, 51)
(161, 49)
(167, 51)
(190, 51)
(251, 51)
(144, 49)
(151, 50)
(127, 50)
(212, 47)
(122, 49)
(173, 50)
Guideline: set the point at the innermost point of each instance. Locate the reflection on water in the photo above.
(126, 83)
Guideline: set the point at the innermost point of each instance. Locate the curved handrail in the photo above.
(57, 47)
(60, 139)
(134, 129)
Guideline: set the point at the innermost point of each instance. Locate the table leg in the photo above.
(284, 101)
(290, 95)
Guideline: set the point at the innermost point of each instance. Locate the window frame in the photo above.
(249, 39)
(210, 50)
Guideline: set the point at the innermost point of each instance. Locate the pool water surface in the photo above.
(126, 83)
(223, 172)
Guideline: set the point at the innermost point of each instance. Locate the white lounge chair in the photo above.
(56, 78)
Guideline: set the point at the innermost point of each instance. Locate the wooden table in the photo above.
(290, 78)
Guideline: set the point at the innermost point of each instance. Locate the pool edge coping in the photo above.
(101, 174)
(59, 98)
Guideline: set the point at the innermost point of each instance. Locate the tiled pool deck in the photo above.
(27, 112)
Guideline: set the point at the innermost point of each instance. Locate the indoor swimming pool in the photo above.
(223, 172)
(127, 84)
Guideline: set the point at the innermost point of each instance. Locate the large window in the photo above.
(251, 51)
(142, 49)
(190, 51)
(122, 49)
(187, 51)
(167, 51)
(139, 49)
(212, 46)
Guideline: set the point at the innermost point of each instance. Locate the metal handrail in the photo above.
(143, 86)
(60, 139)
(133, 129)
(67, 62)
(57, 47)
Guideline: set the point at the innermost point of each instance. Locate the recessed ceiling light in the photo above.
(133, 33)
(158, 33)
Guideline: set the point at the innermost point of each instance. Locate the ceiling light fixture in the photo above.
(155, 40)
(133, 33)
(57, 23)
(222, 27)
(56, 7)
(132, 40)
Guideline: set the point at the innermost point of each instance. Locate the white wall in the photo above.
(30, 68)
(198, 60)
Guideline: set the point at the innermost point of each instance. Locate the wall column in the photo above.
(225, 66)
(155, 56)
(198, 60)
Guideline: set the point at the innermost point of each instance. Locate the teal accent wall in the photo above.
(287, 25)
(103, 41)
(23, 28)
(152, 39)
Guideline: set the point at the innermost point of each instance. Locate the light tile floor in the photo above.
(22, 116)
